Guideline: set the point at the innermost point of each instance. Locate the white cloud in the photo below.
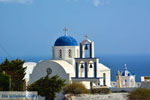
(16, 1)
(100, 2)
(72, 0)
(96, 3)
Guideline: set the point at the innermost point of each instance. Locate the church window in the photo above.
(69, 53)
(49, 71)
(60, 53)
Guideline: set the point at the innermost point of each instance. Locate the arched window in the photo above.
(69, 53)
(60, 53)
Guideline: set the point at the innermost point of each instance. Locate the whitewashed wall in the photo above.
(103, 69)
(65, 55)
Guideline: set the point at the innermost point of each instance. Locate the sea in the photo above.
(137, 64)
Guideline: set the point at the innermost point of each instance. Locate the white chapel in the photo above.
(125, 79)
(73, 61)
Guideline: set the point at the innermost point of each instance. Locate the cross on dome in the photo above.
(86, 36)
(86, 40)
(125, 66)
(65, 31)
(66, 40)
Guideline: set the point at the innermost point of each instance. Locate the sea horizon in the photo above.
(137, 64)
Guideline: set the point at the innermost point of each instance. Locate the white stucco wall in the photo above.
(65, 54)
(103, 69)
(59, 67)
(29, 69)
(129, 83)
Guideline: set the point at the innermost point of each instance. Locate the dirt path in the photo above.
(112, 96)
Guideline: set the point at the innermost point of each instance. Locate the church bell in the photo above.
(82, 66)
(86, 46)
(91, 66)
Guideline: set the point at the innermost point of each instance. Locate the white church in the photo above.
(125, 79)
(72, 61)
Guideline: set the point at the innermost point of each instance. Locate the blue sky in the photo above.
(30, 27)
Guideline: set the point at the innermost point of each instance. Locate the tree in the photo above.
(4, 82)
(14, 69)
(48, 87)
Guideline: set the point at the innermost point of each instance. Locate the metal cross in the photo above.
(86, 36)
(65, 30)
(125, 66)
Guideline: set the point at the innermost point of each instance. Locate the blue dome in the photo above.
(66, 41)
(126, 73)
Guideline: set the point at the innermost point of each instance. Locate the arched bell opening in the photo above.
(82, 69)
(132, 83)
(125, 83)
(87, 49)
(90, 69)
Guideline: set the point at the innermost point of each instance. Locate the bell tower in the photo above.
(87, 48)
(86, 64)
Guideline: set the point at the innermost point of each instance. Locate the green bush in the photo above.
(101, 90)
(140, 94)
(4, 82)
(75, 88)
(48, 86)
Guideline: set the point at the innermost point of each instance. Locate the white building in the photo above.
(29, 69)
(145, 82)
(145, 78)
(125, 79)
(73, 62)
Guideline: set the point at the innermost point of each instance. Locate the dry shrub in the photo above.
(101, 90)
(75, 88)
(140, 94)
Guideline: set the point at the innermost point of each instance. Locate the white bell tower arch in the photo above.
(87, 48)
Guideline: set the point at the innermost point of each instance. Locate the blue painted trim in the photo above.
(95, 69)
(87, 58)
(81, 50)
(86, 72)
(87, 78)
(90, 50)
(76, 72)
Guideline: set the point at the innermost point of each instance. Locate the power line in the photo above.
(4, 50)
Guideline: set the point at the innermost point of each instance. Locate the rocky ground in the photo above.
(112, 96)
